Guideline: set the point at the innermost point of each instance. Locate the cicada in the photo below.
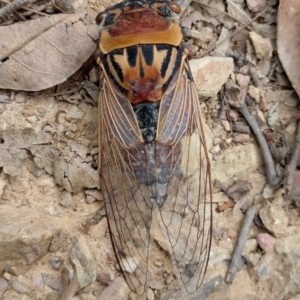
(153, 161)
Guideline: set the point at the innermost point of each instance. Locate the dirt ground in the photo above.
(52, 213)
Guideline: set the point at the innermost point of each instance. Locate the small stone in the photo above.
(158, 263)
(90, 199)
(79, 149)
(104, 278)
(42, 111)
(98, 231)
(21, 287)
(169, 279)
(252, 259)
(20, 97)
(215, 150)
(263, 47)
(3, 286)
(254, 93)
(94, 151)
(85, 262)
(242, 80)
(32, 119)
(118, 290)
(210, 74)
(241, 138)
(150, 294)
(67, 199)
(74, 113)
(256, 5)
(129, 264)
(266, 241)
(94, 193)
(217, 141)
(274, 218)
(226, 125)
(4, 99)
(14, 271)
(206, 35)
(93, 74)
(231, 233)
(250, 246)
(56, 262)
(38, 283)
(233, 115)
(7, 276)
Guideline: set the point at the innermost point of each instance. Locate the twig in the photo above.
(270, 166)
(63, 93)
(293, 163)
(238, 250)
(12, 7)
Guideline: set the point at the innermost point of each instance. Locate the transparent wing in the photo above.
(156, 193)
(128, 209)
(186, 216)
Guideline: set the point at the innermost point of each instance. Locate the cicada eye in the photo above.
(175, 7)
(100, 17)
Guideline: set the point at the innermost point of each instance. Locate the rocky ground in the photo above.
(52, 214)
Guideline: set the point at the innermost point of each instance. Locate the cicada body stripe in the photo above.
(153, 162)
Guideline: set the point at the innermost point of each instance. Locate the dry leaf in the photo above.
(41, 53)
(288, 40)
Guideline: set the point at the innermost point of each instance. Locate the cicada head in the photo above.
(139, 22)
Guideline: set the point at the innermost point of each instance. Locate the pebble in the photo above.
(93, 75)
(20, 97)
(217, 141)
(14, 271)
(98, 231)
(150, 294)
(90, 199)
(231, 233)
(241, 138)
(254, 93)
(215, 150)
(266, 241)
(56, 262)
(3, 286)
(233, 115)
(38, 283)
(104, 278)
(226, 125)
(274, 218)
(21, 287)
(74, 113)
(256, 5)
(158, 263)
(32, 119)
(7, 276)
(67, 199)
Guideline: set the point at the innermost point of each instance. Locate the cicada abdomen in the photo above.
(153, 162)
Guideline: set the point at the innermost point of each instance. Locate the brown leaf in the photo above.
(41, 53)
(288, 40)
